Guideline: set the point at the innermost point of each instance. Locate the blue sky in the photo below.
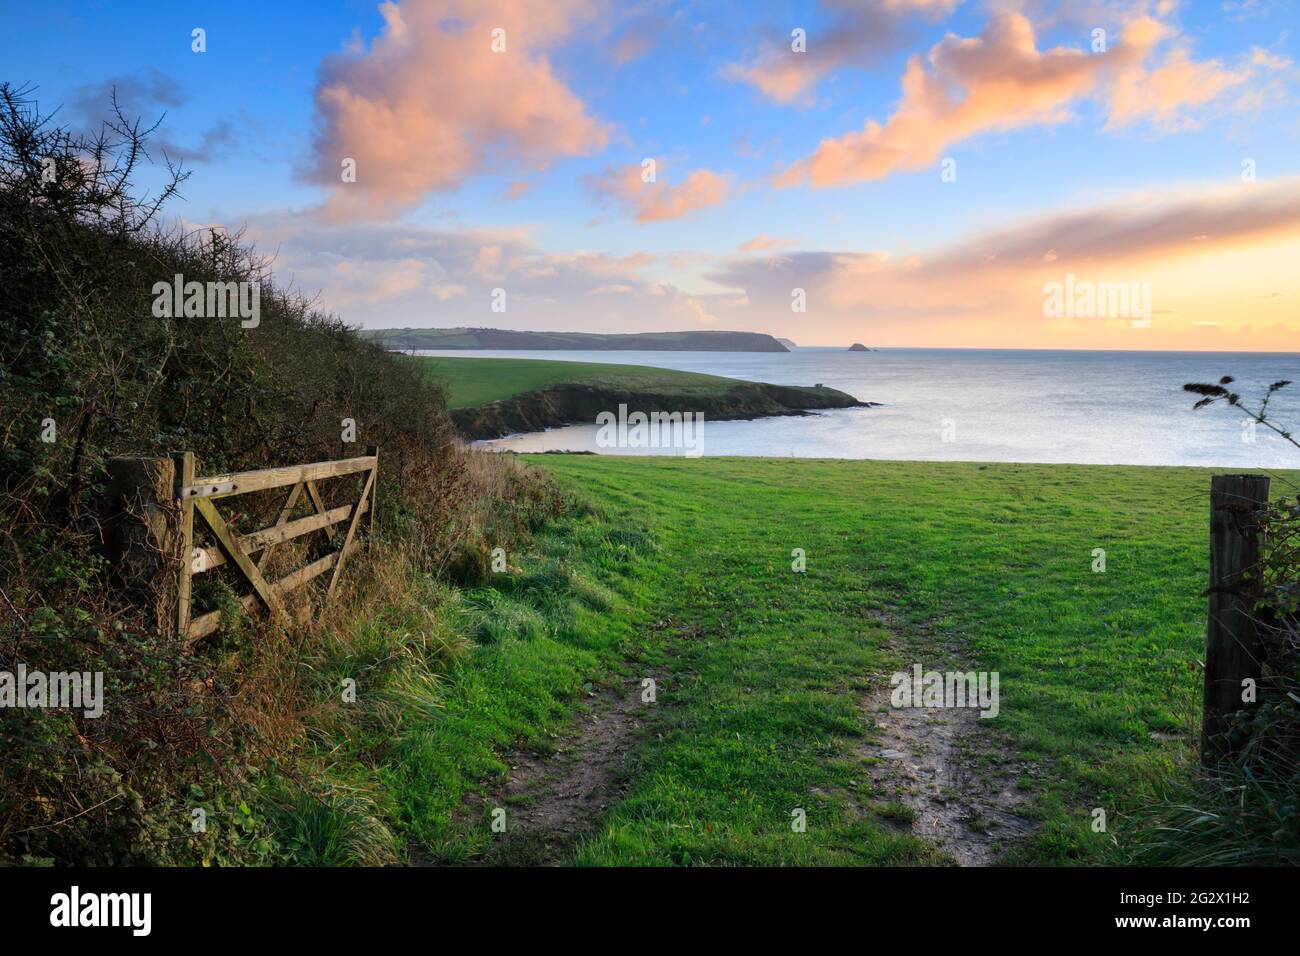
(668, 81)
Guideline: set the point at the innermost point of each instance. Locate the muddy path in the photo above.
(553, 799)
(949, 766)
(951, 769)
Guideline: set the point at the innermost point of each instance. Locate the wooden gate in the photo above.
(200, 495)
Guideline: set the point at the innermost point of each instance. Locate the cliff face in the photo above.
(580, 404)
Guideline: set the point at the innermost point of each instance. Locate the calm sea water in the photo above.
(981, 405)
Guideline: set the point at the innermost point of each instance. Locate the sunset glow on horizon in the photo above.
(922, 171)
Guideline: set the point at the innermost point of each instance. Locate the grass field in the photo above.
(774, 665)
(764, 672)
(477, 381)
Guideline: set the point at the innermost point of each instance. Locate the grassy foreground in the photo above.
(477, 381)
(685, 573)
(766, 671)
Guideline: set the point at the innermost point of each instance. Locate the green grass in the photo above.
(449, 678)
(477, 381)
(685, 575)
(768, 668)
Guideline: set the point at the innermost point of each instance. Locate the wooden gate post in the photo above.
(1233, 651)
(185, 464)
(373, 450)
(140, 532)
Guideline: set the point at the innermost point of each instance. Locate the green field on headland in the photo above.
(475, 381)
(491, 397)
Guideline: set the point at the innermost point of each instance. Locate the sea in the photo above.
(1086, 407)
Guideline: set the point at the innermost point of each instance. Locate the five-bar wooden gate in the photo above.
(199, 496)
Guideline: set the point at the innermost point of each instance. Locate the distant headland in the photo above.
(464, 338)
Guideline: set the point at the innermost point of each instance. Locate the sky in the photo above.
(902, 173)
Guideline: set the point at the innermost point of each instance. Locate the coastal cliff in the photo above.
(580, 404)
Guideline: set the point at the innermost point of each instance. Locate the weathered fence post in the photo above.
(185, 465)
(141, 532)
(1233, 651)
(373, 450)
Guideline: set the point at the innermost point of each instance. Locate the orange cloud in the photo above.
(430, 101)
(515, 190)
(639, 38)
(1215, 263)
(924, 6)
(655, 201)
(1135, 232)
(861, 34)
(1163, 93)
(761, 241)
(1000, 80)
(1220, 265)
